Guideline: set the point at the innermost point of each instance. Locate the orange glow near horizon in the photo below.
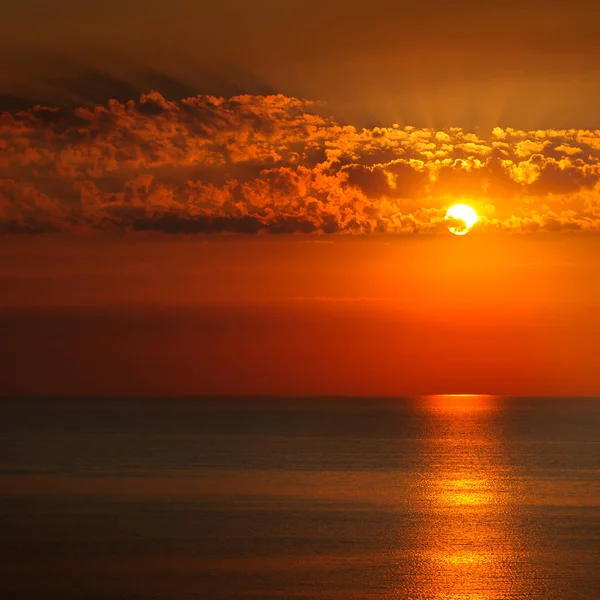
(339, 316)
(459, 403)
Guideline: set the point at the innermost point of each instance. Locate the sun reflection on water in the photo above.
(471, 548)
(464, 558)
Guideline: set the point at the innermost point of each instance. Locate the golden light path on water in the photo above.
(471, 547)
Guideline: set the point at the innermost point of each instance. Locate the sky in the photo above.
(250, 197)
(523, 64)
(301, 315)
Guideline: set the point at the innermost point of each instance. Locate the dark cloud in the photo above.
(372, 181)
(555, 178)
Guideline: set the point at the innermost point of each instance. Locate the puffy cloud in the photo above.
(251, 164)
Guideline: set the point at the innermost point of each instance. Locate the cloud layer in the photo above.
(251, 164)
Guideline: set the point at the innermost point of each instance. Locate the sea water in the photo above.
(439, 497)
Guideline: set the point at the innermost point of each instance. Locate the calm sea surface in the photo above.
(462, 498)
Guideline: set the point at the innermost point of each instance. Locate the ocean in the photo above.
(438, 497)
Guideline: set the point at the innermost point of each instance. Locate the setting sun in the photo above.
(463, 217)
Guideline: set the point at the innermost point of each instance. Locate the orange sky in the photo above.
(301, 315)
(150, 151)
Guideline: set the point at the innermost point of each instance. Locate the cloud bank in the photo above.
(275, 164)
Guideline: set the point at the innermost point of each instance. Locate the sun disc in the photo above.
(463, 217)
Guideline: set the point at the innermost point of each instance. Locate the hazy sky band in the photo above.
(300, 315)
(521, 64)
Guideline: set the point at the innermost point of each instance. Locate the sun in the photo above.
(463, 218)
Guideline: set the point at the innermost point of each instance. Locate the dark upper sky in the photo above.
(532, 64)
